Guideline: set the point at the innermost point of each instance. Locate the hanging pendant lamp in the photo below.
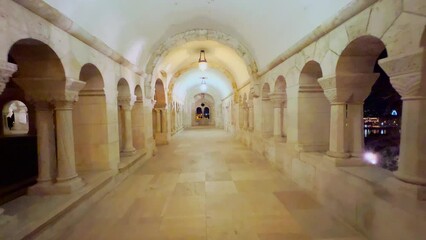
(202, 61)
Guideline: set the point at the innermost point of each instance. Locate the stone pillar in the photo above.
(338, 147)
(67, 178)
(360, 87)
(250, 115)
(406, 76)
(45, 148)
(278, 101)
(126, 110)
(346, 95)
(164, 120)
(356, 128)
(6, 71)
(338, 141)
(159, 127)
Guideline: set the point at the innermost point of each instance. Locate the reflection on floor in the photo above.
(205, 185)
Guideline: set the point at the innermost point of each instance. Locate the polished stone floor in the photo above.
(205, 185)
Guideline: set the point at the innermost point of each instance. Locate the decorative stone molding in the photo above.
(310, 88)
(405, 72)
(348, 87)
(278, 99)
(126, 102)
(50, 89)
(328, 84)
(63, 105)
(6, 71)
(255, 90)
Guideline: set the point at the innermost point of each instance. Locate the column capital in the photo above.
(62, 105)
(405, 73)
(277, 97)
(51, 89)
(6, 71)
(345, 87)
(126, 102)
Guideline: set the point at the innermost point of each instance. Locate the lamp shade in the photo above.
(202, 61)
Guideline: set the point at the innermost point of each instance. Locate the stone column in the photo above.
(360, 87)
(278, 101)
(45, 148)
(338, 131)
(126, 110)
(159, 127)
(338, 147)
(67, 178)
(406, 76)
(356, 124)
(164, 120)
(250, 115)
(6, 71)
(346, 95)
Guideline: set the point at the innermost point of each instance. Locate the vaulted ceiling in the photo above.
(135, 28)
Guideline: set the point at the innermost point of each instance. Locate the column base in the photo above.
(338, 154)
(410, 179)
(346, 161)
(68, 186)
(127, 153)
(40, 188)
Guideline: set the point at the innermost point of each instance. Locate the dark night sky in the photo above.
(383, 97)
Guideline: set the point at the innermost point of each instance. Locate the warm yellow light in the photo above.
(202, 61)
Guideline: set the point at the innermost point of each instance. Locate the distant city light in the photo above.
(394, 113)
(371, 157)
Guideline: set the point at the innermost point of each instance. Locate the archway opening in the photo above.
(90, 122)
(382, 120)
(138, 120)
(160, 120)
(373, 131)
(314, 110)
(203, 108)
(15, 118)
(39, 69)
(124, 101)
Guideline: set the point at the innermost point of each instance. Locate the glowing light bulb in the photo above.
(203, 66)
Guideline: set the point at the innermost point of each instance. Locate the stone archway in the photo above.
(203, 103)
(313, 110)
(125, 104)
(161, 132)
(42, 78)
(279, 105)
(346, 92)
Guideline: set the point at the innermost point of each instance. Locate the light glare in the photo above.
(371, 157)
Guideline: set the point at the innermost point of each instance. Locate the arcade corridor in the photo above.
(205, 185)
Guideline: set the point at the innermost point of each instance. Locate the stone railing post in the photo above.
(406, 74)
(126, 106)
